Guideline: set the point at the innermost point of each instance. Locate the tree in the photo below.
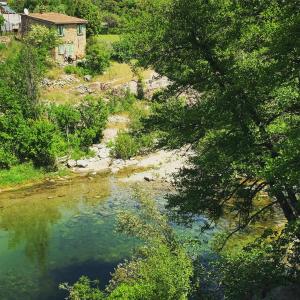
(240, 60)
(160, 268)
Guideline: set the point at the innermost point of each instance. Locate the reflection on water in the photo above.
(56, 233)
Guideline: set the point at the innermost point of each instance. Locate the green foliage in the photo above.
(125, 146)
(7, 158)
(35, 142)
(160, 268)
(243, 118)
(103, 16)
(85, 289)
(30, 131)
(20, 174)
(268, 262)
(97, 57)
(122, 51)
(77, 70)
(80, 125)
(119, 104)
(2, 21)
(42, 37)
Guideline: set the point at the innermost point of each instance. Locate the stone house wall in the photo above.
(73, 45)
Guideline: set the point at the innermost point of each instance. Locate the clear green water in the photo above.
(57, 232)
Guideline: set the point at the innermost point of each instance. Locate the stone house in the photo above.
(71, 30)
(12, 20)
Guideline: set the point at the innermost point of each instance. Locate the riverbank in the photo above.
(26, 175)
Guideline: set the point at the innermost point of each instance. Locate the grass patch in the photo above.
(25, 173)
(119, 73)
(55, 73)
(108, 39)
(61, 96)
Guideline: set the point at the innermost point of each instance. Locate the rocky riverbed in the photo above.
(159, 165)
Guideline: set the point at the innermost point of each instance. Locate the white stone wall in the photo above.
(12, 22)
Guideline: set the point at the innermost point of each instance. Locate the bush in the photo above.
(118, 104)
(122, 51)
(94, 115)
(7, 158)
(35, 142)
(77, 70)
(97, 58)
(125, 146)
(160, 268)
(80, 125)
(66, 117)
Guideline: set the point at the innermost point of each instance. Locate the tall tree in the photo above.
(241, 59)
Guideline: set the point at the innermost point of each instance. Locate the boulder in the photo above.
(103, 152)
(71, 163)
(149, 178)
(88, 77)
(82, 163)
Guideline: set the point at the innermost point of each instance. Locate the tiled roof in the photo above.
(56, 18)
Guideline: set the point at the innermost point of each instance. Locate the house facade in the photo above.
(12, 20)
(71, 30)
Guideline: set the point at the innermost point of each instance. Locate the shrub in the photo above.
(66, 117)
(125, 146)
(118, 104)
(80, 125)
(77, 70)
(97, 58)
(7, 158)
(94, 115)
(122, 51)
(35, 141)
(160, 268)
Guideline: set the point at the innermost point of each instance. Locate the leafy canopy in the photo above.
(238, 64)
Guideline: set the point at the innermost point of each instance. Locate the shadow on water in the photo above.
(92, 269)
(56, 233)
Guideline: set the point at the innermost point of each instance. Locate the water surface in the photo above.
(57, 232)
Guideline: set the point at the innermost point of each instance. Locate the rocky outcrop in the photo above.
(63, 81)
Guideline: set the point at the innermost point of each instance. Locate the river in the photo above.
(58, 231)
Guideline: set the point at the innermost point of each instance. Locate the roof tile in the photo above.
(57, 18)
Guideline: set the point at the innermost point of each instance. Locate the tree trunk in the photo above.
(287, 210)
(293, 200)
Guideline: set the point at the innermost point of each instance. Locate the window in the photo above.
(61, 30)
(61, 49)
(80, 29)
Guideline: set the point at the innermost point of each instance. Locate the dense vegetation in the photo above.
(31, 130)
(234, 99)
(237, 63)
(103, 16)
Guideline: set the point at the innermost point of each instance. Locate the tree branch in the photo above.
(240, 227)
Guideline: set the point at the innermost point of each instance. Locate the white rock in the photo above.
(82, 163)
(103, 152)
(149, 178)
(71, 163)
(87, 77)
